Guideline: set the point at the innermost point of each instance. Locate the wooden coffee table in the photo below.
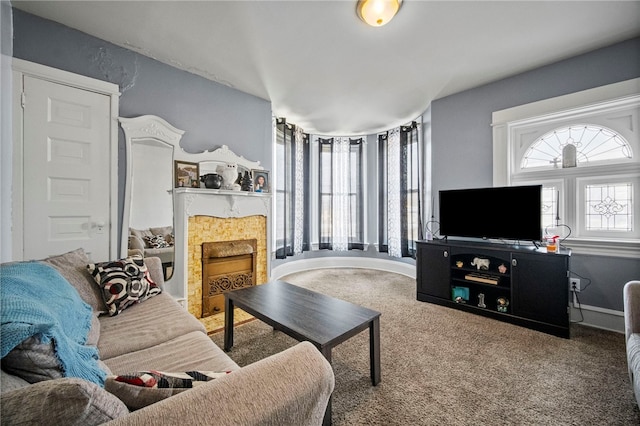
(306, 315)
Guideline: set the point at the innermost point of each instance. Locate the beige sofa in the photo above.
(289, 388)
(631, 301)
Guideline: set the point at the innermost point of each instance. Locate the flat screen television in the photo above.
(510, 212)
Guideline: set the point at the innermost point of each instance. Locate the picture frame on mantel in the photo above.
(187, 174)
(260, 179)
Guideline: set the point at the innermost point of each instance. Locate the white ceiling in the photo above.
(326, 71)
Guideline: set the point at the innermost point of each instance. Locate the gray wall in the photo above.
(462, 142)
(211, 114)
(461, 123)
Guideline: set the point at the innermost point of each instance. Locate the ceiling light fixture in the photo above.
(377, 12)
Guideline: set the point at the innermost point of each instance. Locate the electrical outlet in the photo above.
(574, 284)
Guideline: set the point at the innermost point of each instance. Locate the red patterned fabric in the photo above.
(163, 380)
(142, 379)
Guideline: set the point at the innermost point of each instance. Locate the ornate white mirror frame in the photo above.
(186, 201)
(146, 137)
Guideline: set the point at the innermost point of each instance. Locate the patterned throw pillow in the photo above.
(162, 380)
(157, 241)
(137, 390)
(123, 282)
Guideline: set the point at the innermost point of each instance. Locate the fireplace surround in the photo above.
(213, 215)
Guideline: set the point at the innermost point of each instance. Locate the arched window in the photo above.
(584, 148)
(576, 145)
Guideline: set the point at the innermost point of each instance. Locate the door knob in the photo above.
(98, 225)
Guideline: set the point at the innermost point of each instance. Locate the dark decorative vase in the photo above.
(212, 180)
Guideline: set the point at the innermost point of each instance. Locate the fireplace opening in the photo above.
(226, 265)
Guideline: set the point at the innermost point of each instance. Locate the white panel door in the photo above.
(66, 170)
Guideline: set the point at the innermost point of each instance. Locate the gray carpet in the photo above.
(441, 366)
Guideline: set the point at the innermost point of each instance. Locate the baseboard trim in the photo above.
(594, 316)
(343, 262)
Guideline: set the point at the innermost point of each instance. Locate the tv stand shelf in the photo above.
(522, 285)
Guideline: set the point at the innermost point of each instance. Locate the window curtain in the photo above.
(383, 190)
(292, 158)
(410, 189)
(399, 191)
(341, 222)
(394, 212)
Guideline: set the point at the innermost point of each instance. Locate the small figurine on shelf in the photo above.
(459, 264)
(502, 269)
(481, 303)
(480, 264)
(503, 303)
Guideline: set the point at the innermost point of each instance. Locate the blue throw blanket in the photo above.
(36, 300)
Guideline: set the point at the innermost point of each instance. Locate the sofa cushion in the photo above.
(145, 325)
(135, 243)
(139, 389)
(137, 397)
(154, 266)
(165, 231)
(124, 282)
(633, 354)
(141, 233)
(33, 361)
(94, 332)
(73, 266)
(67, 401)
(192, 351)
(10, 382)
(164, 254)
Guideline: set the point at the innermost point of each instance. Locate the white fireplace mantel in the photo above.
(222, 203)
(215, 203)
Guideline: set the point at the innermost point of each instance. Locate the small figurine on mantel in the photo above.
(229, 174)
(247, 183)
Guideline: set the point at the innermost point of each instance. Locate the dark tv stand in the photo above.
(532, 283)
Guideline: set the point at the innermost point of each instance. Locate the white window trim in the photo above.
(623, 94)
